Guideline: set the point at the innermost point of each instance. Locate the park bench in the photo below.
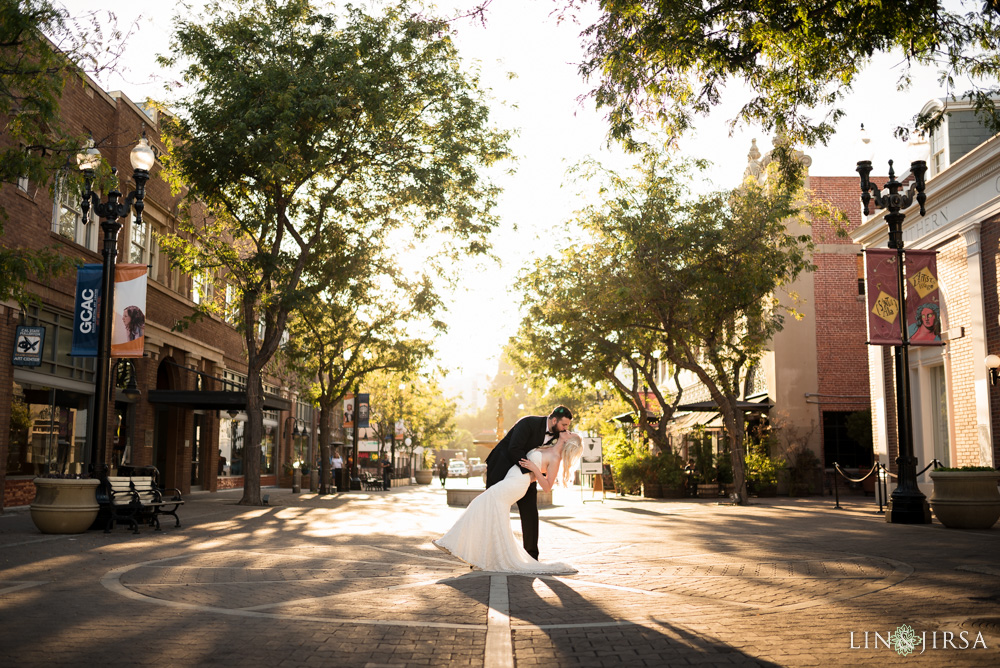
(371, 483)
(135, 499)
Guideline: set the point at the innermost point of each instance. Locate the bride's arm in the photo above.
(540, 477)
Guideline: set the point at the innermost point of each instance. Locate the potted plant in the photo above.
(966, 497)
(628, 475)
(670, 475)
(804, 472)
(64, 505)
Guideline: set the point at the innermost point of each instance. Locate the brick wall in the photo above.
(116, 126)
(953, 274)
(841, 328)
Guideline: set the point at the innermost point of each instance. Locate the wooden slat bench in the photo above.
(135, 499)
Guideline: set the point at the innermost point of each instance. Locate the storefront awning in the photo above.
(215, 400)
(630, 418)
(711, 406)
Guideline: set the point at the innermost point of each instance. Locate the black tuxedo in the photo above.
(527, 434)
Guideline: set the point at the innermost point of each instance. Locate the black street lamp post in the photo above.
(907, 504)
(142, 159)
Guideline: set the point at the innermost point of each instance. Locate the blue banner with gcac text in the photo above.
(85, 313)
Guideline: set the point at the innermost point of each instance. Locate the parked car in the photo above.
(476, 466)
(458, 469)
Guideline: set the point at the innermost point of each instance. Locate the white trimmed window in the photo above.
(141, 243)
(202, 287)
(938, 156)
(67, 218)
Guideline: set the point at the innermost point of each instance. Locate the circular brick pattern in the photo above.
(368, 585)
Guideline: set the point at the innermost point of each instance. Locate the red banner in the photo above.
(923, 299)
(882, 287)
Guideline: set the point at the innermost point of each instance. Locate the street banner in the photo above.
(128, 337)
(591, 460)
(400, 430)
(923, 299)
(362, 411)
(28, 345)
(882, 289)
(348, 411)
(86, 310)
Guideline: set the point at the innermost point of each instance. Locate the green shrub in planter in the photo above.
(762, 472)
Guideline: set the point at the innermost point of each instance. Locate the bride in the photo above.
(483, 536)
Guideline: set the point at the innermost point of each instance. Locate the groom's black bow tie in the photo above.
(550, 438)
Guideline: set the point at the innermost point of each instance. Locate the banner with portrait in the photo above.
(128, 335)
(882, 288)
(348, 411)
(362, 411)
(923, 299)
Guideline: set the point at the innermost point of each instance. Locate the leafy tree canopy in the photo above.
(301, 123)
(672, 60)
(669, 278)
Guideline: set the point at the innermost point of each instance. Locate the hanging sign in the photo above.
(923, 299)
(348, 411)
(882, 288)
(128, 337)
(591, 460)
(28, 344)
(86, 310)
(362, 411)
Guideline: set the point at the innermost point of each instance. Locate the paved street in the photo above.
(352, 580)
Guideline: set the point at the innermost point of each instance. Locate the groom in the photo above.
(527, 434)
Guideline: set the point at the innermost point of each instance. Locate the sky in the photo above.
(528, 61)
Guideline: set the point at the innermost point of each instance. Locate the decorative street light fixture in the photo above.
(907, 504)
(142, 158)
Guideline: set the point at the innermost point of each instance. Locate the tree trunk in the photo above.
(254, 435)
(325, 438)
(734, 420)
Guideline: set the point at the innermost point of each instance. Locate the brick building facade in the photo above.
(46, 411)
(953, 403)
(815, 375)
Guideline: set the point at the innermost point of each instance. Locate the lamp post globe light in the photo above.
(907, 504)
(142, 159)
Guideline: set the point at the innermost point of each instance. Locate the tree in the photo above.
(692, 280)
(41, 49)
(428, 416)
(353, 329)
(301, 123)
(672, 60)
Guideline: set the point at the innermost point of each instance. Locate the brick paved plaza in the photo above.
(352, 580)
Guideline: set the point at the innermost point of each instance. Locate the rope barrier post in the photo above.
(836, 485)
(881, 486)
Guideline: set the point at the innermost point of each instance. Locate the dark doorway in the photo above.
(845, 441)
(160, 434)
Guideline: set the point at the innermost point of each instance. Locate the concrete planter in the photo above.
(461, 498)
(424, 476)
(64, 505)
(966, 499)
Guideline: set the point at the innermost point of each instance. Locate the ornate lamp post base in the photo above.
(908, 509)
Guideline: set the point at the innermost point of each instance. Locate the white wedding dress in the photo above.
(483, 536)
